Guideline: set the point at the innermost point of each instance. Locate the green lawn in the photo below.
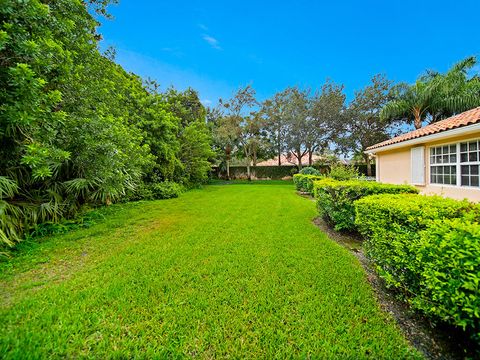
(228, 270)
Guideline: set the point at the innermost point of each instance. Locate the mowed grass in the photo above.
(226, 271)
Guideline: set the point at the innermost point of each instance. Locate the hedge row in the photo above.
(335, 199)
(273, 172)
(304, 183)
(429, 248)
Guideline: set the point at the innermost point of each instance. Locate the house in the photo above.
(442, 158)
(289, 159)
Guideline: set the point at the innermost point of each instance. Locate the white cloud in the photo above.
(212, 41)
(206, 102)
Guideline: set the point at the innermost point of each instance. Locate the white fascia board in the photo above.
(464, 130)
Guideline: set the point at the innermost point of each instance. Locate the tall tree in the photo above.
(275, 124)
(362, 124)
(324, 117)
(242, 124)
(296, 118)
(435, 96)
(236, 128)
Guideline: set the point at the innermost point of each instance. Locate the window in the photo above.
(469, 162)
(456, 164)
(443, 165)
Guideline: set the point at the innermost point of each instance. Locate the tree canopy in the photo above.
(435, 96)
(75, 127)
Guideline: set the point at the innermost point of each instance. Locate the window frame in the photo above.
(458, 163)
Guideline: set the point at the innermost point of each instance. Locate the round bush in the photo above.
(166, 190)
(309, 171)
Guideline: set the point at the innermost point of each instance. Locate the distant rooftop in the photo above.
(289, 160)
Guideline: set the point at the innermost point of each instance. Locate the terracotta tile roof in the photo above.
(288, 160)
(466, 118)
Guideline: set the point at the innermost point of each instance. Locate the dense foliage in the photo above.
(309, 171)
(75, 128)
(335, 199)
(362, 125)
(343, 172)
(429, 248)
(304, 182)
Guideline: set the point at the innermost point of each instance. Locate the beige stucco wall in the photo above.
(394, 168)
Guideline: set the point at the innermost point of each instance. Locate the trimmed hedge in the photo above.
(335, 199)
(260, 172)
(273, 172)
(304, 183)
(429, 248)
(449, 255)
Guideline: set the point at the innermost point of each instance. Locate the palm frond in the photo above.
(8, 187)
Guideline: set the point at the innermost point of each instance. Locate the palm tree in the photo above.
(435, 96)
(411, 103)
(457, 91)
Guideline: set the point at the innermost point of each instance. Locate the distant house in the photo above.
(441, 158)
(289, 159)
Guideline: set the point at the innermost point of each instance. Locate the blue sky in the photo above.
(217, 46)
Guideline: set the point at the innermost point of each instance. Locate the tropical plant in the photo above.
(435, 96)
(75, 127)
(411, 104)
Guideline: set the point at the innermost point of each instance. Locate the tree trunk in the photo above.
(417, 122)
(249, 176)
(227, 157)
(310, 157)
(279, 156)
(369, 165)
(299, 158)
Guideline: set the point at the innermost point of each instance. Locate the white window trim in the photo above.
(458, 165)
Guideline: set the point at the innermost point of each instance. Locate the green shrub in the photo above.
(335, 198)
(429, 248)
(343, 172)
(141, 192)
(304, 183)
(449, 260)
(309, 171)
(391, 225)
(166, 190)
